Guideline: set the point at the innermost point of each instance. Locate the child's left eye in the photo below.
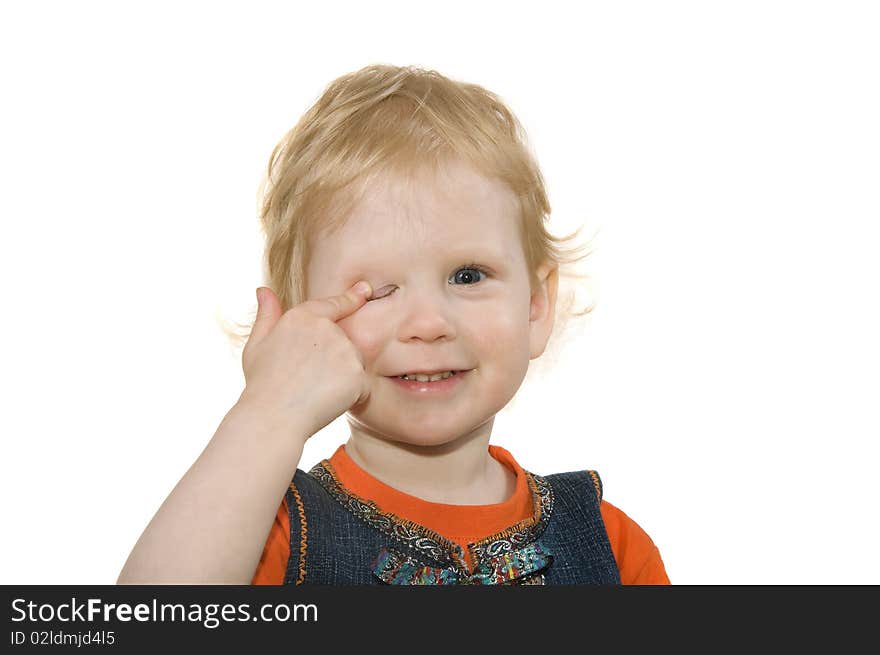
(471, 268)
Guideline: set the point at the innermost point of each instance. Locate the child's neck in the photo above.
(457, 473)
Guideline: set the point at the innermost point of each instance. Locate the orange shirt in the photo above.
(638, 559)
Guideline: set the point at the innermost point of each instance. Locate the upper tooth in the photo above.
(428, 378)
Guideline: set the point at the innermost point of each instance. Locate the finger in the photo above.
(268, 313)
(338, 307)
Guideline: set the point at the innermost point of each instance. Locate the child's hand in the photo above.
(301, 366)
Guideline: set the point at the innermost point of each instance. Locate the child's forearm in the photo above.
(214, 524)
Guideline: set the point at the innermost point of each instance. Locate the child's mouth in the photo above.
(446, 382)
(428, 378)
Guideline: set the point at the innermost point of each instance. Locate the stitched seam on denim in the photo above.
(303, 534)
(596, 484)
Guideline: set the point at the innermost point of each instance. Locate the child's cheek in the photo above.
(366, 333)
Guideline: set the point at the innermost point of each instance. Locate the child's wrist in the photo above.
(267, 422)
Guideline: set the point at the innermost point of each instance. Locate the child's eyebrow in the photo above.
(455, 257)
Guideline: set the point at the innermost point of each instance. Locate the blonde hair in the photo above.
(403, 121)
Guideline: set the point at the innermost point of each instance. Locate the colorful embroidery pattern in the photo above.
(513, 567)
(393, 567)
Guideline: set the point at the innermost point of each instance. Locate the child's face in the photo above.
(431, 310)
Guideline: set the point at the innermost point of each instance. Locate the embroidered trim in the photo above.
(525, 531)
(517, 567)
(395, 568)
(303, 534)
(432, 544)
(410, 533)
(596, 484)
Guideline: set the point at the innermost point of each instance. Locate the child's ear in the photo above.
(542, 309)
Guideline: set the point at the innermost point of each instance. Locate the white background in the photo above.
(725, 386)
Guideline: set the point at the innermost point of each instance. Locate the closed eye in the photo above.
(378, 295)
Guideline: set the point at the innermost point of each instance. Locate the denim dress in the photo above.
(338, 538)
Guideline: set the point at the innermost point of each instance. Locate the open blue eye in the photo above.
(468, 278)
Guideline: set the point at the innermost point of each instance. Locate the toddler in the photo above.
(410, 281)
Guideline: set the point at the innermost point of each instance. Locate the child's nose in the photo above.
(426, 318)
